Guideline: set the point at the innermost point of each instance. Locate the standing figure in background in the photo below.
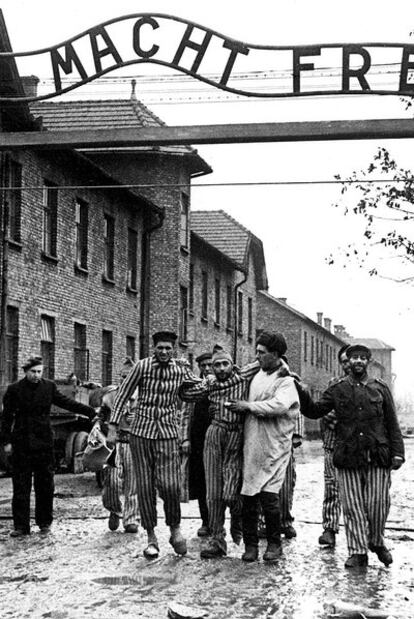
(195, 420)
(288, 487)
(119, 473)
(368, 445)
(27, 436)
(331, 506)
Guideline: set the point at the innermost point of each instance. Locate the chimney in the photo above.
(327, 324)
(319, 317)
(29, 83)
(282, 299)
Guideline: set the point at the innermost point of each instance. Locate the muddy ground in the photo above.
(83, 570)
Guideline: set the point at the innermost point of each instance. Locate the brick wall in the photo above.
(38, 285)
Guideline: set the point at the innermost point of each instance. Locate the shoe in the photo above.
(45, 530)
(131, 528)
(289, 531)
(19, 533)
(178, 542)
(357, 560)
(273, 552)
(250, 554)
(203, 531)
(151, 551)
(113, 521)
(214, 549)
(236, 530)
(327, 538)
(382, 553)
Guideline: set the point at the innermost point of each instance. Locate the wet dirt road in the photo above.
(83, 570)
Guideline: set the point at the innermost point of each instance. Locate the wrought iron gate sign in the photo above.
(195, 50)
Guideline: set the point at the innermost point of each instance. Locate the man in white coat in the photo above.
(271, 411)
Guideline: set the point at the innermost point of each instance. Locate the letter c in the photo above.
(136, 37)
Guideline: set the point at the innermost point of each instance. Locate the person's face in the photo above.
(206, 367)
(125, 370)
(164, 351)
(222, 369)
(358, 362)
(34, 374)
(267, 360)
(344, 363)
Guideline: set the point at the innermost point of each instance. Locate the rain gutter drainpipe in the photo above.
(236, 316)
(4, 225)
(145, 286)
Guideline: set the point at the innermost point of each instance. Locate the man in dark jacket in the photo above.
(27, 437)
(368, 445)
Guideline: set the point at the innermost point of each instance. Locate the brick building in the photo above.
(227, 271)
(92, 261)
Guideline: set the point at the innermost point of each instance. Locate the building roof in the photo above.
(301, 316)
(370, 342)
(110, 114)
(219, 230)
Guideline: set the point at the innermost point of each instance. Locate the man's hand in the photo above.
(111, 438)
(8, 449)
(396, 463)
(239, 406)
(186, 447)
(330, 420)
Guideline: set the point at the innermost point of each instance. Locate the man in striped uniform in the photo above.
(331, 506)
(223, 451)
(367, 447)
(119, 473)
(154, 436)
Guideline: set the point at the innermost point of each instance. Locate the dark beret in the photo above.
(164, 336)
(203, 357)
(358, 348)
(32, 362)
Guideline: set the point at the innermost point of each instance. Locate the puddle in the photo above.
(140, 581)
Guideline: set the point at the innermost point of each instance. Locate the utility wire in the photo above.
(204, 185)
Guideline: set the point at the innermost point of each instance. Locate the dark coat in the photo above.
(26, 414)
(367, 429)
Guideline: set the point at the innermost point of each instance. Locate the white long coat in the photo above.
(268, 432)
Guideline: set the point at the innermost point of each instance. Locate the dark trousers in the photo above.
(41, 468)
(270, 505)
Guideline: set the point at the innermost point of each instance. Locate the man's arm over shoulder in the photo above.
(315, 410)
(126, 390)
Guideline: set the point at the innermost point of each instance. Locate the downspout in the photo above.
(4, 226)
(145, 286)
(236, 316)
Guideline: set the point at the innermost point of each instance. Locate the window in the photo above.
(250, 318)
(312, 350)
(81, 223)
(183, 313)
(12, 343)
(317, 352)
(132, 258)
(217, 300)
(47, 345)
(49, 218)
(305, 346)
(240, 313)
(326, 357)
(106, 358)
(330, 358)
(109, 246)
(130, 347)
(229, 296)
(80, 352)
(191, 290)
(185, 207)
(204, 295)
(15, 201)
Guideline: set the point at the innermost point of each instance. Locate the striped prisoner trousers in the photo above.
(120, 479)
(365, 499)
(331, 506)
(157, 467)
(286, 494)
(223, 453)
